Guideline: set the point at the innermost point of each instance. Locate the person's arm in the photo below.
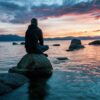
(41, 42)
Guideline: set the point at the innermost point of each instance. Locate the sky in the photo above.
(56, 18)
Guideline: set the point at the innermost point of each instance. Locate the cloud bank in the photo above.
(21, 11)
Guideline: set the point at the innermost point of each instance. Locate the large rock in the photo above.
(96, 42)
(75, 45)
(33, 64)
(10, 81)
(13, 80)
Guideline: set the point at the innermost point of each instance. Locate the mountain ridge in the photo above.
(11, 37)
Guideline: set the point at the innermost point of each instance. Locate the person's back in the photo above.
(33, 38)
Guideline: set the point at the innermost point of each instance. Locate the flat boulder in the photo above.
(75, 45)
(33, 64)
(96, 42)
(13, 80)
(56, 44)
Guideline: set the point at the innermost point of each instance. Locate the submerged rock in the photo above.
(96, 42)
(75, 45)
(33, 64)
(13, 80)
(4, 88)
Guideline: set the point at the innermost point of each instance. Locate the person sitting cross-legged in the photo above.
(34, 42)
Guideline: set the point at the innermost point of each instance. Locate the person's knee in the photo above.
(44, 48)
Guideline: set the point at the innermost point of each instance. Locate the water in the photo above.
(75, 79)
(88, 57)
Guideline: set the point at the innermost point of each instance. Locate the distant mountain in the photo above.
(11, 38)
(70, 38)
(20, 38)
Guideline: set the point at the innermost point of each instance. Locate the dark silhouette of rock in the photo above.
(96, 42)
(56, 44)
(62, 58)
(33, 64)
(4, 88)
(13, 80)
(22, 43)
(75, 45)
(14, 43)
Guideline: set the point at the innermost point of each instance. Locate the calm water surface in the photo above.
(89, 56)
(75, 79)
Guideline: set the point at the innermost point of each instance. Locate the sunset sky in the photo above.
(57, 18)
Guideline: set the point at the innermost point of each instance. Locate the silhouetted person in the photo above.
(34, 39)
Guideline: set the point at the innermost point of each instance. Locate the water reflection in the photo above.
(38, 88)
(90, 55)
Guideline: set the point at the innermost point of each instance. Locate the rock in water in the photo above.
(56, 44)
(75, 45)
(22, 43)
(96, 42)
(62, 58)
(4, 89)
(33, 64)
(13, 80)
(14, 43)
